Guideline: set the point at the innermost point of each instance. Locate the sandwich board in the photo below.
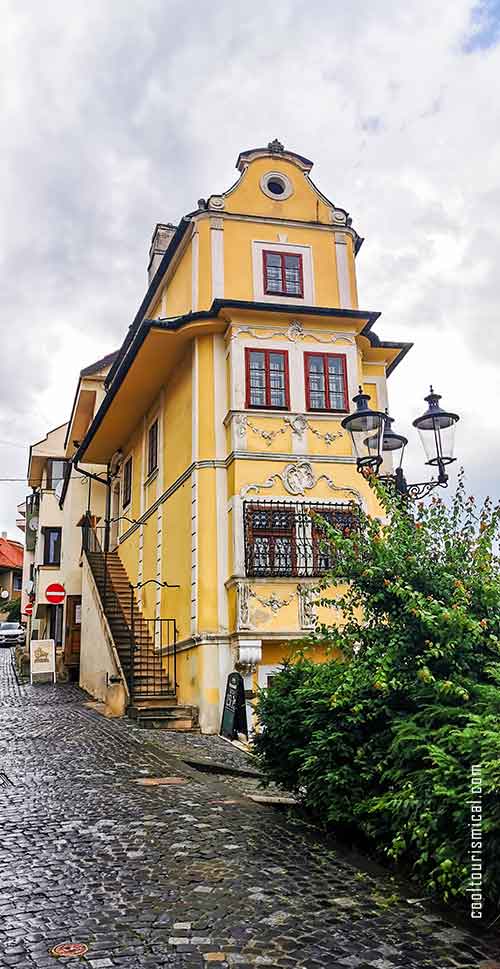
(42, 657)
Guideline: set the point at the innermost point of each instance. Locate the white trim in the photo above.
(264, 671)
(217, 257)
(150, 475)
(344, 282)
(279, 177)
(195, 262)
(220, 403)
(236, 505)
(258, 247)
(194, 488)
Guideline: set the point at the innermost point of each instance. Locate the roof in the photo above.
(11, 554)
(173, 246)
(274, 149)
(99, 364)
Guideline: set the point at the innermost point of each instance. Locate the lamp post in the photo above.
(372, 437)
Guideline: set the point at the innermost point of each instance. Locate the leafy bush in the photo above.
(381, 742)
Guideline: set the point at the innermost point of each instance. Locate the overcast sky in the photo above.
(117, 114)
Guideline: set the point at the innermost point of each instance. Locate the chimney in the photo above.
(4, 535)
(159, 245)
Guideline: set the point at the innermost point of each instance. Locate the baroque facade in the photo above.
(219, 435)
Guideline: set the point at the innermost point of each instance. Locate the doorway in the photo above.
(73, 636)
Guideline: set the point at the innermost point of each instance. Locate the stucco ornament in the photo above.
(249, 656)
(243, 605)
(299, 425)
(267, 436)
(241, 424)
(274, 603)
(297, 479)
(216, 202)
(307, 618)
(295, 331)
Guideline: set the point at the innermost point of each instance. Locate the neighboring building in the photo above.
(11, 570)
(221, 434)
(51, 515)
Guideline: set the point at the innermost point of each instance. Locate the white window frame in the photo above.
(264, 671)
(258, 248)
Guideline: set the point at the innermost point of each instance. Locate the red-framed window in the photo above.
(326, 381)
(267, 379)
(283, 273)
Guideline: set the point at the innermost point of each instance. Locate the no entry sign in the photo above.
(55, 593)
(28, 609)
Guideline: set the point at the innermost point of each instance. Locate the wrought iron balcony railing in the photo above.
(288, 538)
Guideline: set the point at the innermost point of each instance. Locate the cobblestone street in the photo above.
(189, 873)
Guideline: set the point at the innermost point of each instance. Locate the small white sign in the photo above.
(42, 657)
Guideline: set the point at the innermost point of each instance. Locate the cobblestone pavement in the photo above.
(185, 874)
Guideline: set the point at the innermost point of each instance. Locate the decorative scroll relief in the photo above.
(297, 479)
(274, 603)
(243, 422)
(243, 605)
(298, 424)
(305, 595)
(295, 333)
(245, 593)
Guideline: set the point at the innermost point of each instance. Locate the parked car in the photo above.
(12, 634)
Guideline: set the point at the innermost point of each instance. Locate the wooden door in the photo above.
(73, 627)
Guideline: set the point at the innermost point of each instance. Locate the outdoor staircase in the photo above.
(153, 701)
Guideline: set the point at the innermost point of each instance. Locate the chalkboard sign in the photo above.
(234, 714)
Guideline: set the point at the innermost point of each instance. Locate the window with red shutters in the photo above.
(267, 379)
(283, 274)
(326, 381)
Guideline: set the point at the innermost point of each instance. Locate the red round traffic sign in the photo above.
(55, 593)
(28, 609)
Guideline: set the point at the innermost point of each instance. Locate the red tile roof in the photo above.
(11, 554)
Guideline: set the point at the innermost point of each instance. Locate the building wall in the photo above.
(186, 521)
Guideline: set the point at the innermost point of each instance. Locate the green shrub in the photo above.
(381, 743)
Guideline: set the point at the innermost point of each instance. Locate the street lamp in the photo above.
(372, 437)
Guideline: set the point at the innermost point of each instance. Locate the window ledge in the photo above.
(151, 477)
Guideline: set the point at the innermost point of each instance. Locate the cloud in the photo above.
(116, 116)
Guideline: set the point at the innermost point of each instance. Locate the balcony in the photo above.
(288, 538)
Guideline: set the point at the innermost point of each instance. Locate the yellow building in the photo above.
(221, 424)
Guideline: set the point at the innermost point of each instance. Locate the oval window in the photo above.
(276, 186)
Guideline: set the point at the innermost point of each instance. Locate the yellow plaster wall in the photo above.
(371, 389)
(129, 555)
(176, 558)
(188, 676)
(149, 566)
(133, 446)
(204, 266)
(207, 551)
(304, 203)
(177, 427)
(238, 272)
(179, 289)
